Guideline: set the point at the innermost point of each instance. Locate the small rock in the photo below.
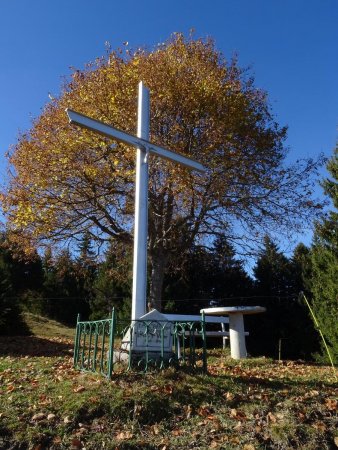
(51, 416)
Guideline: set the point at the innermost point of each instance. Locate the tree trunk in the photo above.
(158, 261)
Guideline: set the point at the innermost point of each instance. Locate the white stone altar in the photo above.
(152, 333)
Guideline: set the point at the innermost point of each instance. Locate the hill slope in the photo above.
(248, 405)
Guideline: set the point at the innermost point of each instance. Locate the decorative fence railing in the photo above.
(109, 346)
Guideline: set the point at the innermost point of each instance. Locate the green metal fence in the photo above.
(111, 346)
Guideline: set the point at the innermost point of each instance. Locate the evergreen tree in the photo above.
(229, 279)
(10, 310)
(25, 275)
(286, 325)
(207, 277)
(324, 285)
(301, 268)
(62, 289)
(8, 304)
(273, 272)
(188, 281)
(112, 285)
(86, 269)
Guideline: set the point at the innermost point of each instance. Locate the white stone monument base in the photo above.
(148, 337)
(122, 356)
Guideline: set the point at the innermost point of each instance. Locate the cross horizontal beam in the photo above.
(126, 138)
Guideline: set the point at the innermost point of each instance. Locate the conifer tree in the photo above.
(63, 293)
(11, 292)
(111, 287)
(324, 284)
(301, 268)
(207, 275)
(286, 323)
(86, 268)
(8, 303)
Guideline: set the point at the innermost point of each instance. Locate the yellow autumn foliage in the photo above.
(66, 180)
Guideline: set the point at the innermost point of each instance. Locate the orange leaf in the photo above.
(331, 404)
(320, 426)
(176, 432)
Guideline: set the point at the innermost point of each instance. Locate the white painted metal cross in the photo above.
(144, 147)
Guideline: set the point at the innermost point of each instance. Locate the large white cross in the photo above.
(144, 147)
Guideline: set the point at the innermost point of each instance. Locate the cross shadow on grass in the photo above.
(34, 346)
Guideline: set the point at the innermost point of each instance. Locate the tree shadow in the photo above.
(34, 346)
(275, 384)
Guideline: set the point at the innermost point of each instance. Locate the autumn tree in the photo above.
(65, 181)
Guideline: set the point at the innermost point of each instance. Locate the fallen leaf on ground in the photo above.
(76, 444)
(38, 416)
(271, 417)
(320, 426)
(79, 389)
(177, 432)
(204, 411)
(331, 404)
(124, 435)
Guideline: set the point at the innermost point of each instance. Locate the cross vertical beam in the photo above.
(141, 142)
(139, 291)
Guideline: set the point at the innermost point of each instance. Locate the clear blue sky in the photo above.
(292, 46)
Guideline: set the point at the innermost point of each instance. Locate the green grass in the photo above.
(41, 326)
(253, 404)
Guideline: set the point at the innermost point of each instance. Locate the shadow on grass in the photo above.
(34, 346)
(274, 384)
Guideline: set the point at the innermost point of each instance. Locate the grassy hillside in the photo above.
(252, 404)
(42, 326)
